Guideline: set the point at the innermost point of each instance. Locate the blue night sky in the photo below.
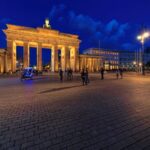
(115, 23)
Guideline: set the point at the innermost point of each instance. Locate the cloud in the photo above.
(3, 23)
(83, 23)
(56, 10)
(128, 46)
(112, 26)
(113, 34)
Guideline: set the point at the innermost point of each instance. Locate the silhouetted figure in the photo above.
(86, 76)
(102, 73)
(71, 74)
(121, 73)
(61, 75)
(83, 76)
(117, 74)
(68, 74)
(143, 69)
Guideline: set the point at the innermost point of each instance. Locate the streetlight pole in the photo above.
(142, 38)
(143, 63)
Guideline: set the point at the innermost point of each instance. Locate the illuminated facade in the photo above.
(3, 59)
(55, 41)
(109, 59)
(93, 63)
(42, 38)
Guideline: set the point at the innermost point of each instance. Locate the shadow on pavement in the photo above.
(59, 89)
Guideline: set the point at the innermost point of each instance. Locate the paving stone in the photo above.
(47, 114)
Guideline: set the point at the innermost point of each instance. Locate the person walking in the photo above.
(121, 73)
(117, 74)
(61, 75)
(102, 73)
(71, 74)
(83, 77)
(68, 74)
(86, 76)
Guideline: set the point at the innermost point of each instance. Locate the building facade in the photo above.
(127, 59)
(92, 62)
(45, 37)
(131, 59)
(41, 38)
(3, 59)
(108, 59)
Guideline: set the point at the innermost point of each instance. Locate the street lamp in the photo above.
(34, 67)
(134, 63)
(142, 39)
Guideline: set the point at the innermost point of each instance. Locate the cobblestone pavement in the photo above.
(46, 114)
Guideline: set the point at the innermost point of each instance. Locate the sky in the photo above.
(112, 24)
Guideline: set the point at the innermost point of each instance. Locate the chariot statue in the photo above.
(47, 24)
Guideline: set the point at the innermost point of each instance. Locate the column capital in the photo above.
(39, 45)
(26, 44)
(56, 46)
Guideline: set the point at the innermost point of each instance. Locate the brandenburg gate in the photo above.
(40, 38)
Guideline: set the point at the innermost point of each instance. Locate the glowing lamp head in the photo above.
(35, 67)
(134, 63)
(140, 64)
(139, 37)
(143, 36)
(146, 34)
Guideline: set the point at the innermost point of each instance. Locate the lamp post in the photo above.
(134, 64)
(142, 39)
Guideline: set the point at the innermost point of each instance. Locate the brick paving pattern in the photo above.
(46, 114)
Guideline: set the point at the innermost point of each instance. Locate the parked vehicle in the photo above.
(27, 73)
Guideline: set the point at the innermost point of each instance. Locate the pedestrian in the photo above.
(86, 76)
(121, 73)
(71, 74)
(83, 77)
(117, 74)
(68, 74)
(102, 73)
(61, 74)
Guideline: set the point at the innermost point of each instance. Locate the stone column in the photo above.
(11, 47)
(77, 61)
(39, 57)
(92, 64)
(26, 56)
(63, 58)
(73, 58)
(85, 62)
(97, 64)
(68, 58)
(1, 65)
(54, 59)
